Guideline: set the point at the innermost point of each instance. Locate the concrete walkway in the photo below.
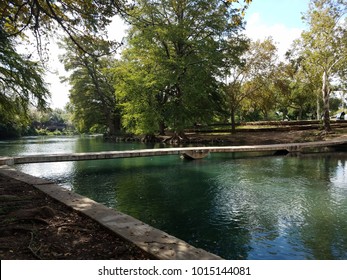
(287, 148)
(156, 242)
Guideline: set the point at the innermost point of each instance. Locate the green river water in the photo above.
(236, 206)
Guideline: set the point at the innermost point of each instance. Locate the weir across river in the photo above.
(190, 152)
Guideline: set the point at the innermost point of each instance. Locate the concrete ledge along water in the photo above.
(154, 241)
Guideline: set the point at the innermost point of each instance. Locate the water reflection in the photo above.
(325, 230)
(267, 203)
(237, 207)
(272, 208)
(59, 172)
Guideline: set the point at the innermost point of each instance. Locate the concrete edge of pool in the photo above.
(153, 241)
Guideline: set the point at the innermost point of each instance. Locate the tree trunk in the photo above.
(177, 138)
(162, 128)
(233, 123)
(117, 122)
(149, 138)
(318, 108)
(300, 113)
(111, 127)
(113, 122)
(326, 93)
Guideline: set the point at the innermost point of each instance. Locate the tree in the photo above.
(21, 79)
(296, 89)
(177, 53)
(306, 78)
(44, 17)
(324, 45)
(21, 85)
(341, 87)
(92, 95)
(252, 77)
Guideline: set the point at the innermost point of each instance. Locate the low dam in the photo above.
(191, 152)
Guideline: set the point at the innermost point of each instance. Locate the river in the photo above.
(236, 206)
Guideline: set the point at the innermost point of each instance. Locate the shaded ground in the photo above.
(260, 137)
(34, 226)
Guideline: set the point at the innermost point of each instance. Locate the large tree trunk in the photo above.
(326, 95)
(111, 127)
(177, 138)
(113, 122)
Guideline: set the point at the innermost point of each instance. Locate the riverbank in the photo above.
(252, 133)
(35, 226)
(246, 137)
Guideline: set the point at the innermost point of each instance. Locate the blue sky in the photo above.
(286, 12)
(281, 19)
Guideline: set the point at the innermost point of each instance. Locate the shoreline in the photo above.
(141, 240)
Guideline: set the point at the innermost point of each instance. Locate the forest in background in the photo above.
(182, 64)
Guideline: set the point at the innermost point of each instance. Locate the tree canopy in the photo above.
(21, 85)
(250, 79)
(44, 17)
(177, 54)
(92, 93)
(21, 78)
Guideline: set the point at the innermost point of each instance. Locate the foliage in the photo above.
(21, 85)
(92, 95)
(45, 17)
(171, 70)
(248, 82)
(21, 79)
(324, 45)
(295, 91)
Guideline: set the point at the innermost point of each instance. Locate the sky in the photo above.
(280, 19)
